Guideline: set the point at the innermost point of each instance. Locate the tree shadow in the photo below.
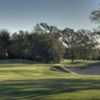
(59, 69)
(32, 89)
(16, 61)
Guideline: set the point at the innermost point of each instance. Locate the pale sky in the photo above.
(24, 14)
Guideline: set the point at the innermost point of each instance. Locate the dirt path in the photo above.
(94, 70)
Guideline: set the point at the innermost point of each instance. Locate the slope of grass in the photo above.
(79, 63)
(24, 80)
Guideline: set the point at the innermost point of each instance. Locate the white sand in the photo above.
(95, 70)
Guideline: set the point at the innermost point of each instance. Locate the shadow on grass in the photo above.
(59, 69)
(33, 89)
(16, 61)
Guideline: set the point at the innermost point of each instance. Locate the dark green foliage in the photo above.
(79, 45)
(38, 47)
(45, 28)
(45, 48)
(87, 44)
(4, 43)
(47, 44)
(18, 45)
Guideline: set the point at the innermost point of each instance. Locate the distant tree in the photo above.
(69, 38)
(38, 47)
(95, 16)
(47, 44)
(4, 43)
(47, 29)
(79, 45)
(87, 44)
(18, 44)
(45, 48)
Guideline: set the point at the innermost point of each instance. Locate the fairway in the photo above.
(24, 80)
(50, 50)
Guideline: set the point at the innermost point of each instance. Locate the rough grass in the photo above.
(24, 80)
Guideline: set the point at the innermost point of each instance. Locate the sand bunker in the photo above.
(93, 70)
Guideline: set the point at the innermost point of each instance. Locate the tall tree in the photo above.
(45, 48)
(87, 43)
(4, 43)
(80, 44)
(95, 16)
(70, 39)
(47, 29)
(18, 44)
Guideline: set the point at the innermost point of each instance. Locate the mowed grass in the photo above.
(80, 63)
(26, 80)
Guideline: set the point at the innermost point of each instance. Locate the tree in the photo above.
(80, 44)
(87, 44)
(47, 29)
(95, 16)
(69, 37)
(35, 46)
(4, 43)
(45, 48)
(18, 45)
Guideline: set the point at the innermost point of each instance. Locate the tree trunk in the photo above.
(72, 60)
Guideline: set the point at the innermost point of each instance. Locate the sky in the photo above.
(18, 15)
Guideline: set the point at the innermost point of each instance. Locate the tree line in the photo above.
(48, 44)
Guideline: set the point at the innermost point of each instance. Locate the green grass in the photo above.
(79, 63)
(24, 80)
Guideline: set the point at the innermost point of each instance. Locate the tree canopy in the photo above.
(48, 44)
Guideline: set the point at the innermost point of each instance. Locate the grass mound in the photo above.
(60, 69)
